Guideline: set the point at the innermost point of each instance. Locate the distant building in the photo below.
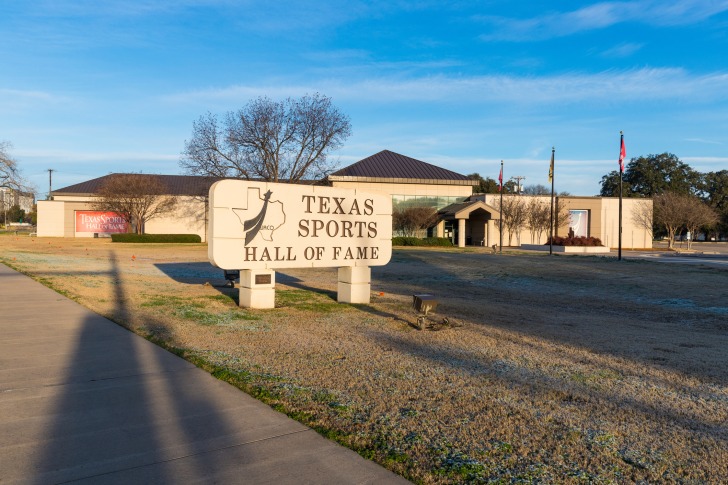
(10, 197)
(476, 221)
(465, 218)
(64, 215)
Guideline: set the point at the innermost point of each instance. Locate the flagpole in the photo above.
(551, 219)
(500, 220)
(621, 169)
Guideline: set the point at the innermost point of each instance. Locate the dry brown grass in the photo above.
(565, 369)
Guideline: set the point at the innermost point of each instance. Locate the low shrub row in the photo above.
(416, 241)
(575, 241)
(156, 238)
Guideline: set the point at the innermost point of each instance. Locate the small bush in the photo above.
(406, 241)
(436, 241)
(156, 238)
(575, 241)
(416, 241)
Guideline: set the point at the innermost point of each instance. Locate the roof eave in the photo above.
(387, 180)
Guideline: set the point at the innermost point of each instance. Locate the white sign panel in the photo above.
(259, 225)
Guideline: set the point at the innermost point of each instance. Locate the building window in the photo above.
(403, 201)
(579, 222)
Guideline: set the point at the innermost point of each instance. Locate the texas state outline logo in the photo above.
(262, 215)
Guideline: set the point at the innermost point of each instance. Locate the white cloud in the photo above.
(706, 164)
(79, 156)
(601, 15)
(608, 86)
(7, 95)
(20, 101)
(703, 141)
(622, 50)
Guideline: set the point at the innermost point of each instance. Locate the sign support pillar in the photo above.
(354, 284)
(257, 288)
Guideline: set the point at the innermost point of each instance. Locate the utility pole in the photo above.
(551, 216)
(500, 209)
(50, 182)
(518, 179)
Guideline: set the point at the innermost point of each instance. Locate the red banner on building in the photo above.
(101, 222)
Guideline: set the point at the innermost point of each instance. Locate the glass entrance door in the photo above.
(451, 231)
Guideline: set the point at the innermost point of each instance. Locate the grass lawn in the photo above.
(559, 369)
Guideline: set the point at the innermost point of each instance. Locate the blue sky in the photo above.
(89, 87)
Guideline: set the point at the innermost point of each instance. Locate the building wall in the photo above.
(190, 217)
(603, 220)
(56, 218)
(50, 218)
(523, 236)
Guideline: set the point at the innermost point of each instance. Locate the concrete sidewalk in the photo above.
(84, 400)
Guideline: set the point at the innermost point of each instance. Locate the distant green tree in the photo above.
(485, 185)
(652, 175)
(715, 194)
(32, 216)
(15, 214)
(610, 185)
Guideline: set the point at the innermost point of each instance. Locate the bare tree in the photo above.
(538, 218)
(536, 189)
(697, 215)
(643, 215)
(669, 212)
(10, 176)
(413, 220)
(136, 197)
(276, 141)
(513, 212)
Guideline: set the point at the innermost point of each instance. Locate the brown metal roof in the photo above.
(451, 211)
(193, 185)
(387, 166)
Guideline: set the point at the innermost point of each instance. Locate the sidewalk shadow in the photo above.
(125, 407)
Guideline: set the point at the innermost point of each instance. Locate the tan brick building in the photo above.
(466, 218)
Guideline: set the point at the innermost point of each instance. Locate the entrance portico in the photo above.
(469, 223)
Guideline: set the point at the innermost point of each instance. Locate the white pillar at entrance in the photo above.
(489, 231)
(257, 288)
(461, 233)
(440, 229)
(354, 284)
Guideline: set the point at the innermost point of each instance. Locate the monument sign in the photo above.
(257, 227)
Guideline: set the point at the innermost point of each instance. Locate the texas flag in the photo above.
(500, 179)
(622, 154)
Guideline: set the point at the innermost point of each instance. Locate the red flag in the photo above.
(622, 154)
(500, 180)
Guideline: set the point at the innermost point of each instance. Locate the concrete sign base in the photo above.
(257, 288)
(354, 284)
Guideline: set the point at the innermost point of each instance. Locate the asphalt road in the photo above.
(713, 254)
